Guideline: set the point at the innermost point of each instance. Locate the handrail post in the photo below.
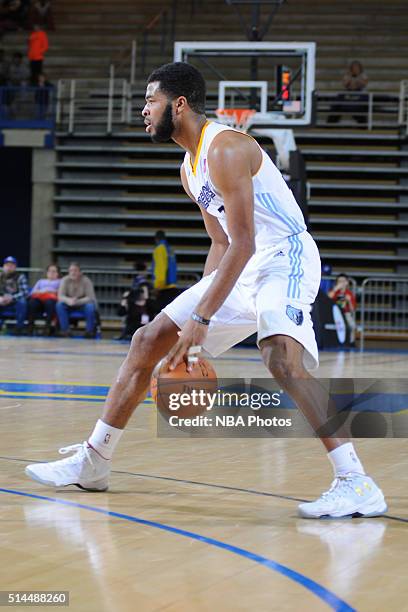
(58, 111)
(71, 107)
(401, 102)
(110, 99)
(362, 315)
(124, 101)
(133, 64)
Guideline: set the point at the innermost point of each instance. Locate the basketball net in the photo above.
(238, 118)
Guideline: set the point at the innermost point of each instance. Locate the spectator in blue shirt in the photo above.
(13, 293)
(43, 299)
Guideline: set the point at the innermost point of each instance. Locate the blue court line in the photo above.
(205, 484)
(50, 397)
(53, 388)
(334, 602)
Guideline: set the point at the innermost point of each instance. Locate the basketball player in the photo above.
(262, 273)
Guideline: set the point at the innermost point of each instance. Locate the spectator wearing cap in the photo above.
(13, 293)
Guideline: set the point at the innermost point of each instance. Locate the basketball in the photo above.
(168, 387)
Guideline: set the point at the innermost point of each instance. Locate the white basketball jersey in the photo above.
(276, 212)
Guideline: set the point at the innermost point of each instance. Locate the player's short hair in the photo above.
(182, 79)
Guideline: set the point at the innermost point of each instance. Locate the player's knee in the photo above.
(282, 359)
(282, 369)
(143, 344)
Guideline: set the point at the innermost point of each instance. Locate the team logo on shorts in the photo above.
(294, 315)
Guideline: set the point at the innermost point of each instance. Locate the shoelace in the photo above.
(338, 485)
(76, 447)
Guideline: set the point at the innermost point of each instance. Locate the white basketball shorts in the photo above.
(273, 295)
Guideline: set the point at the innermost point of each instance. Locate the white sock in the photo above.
(344, 460)
(104, 439)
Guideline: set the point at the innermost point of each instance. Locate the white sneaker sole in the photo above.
(93, 487)
(375, 506)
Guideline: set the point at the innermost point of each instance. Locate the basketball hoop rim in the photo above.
(239, 118)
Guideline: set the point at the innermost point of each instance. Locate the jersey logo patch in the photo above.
(294, 315)
(206, 195)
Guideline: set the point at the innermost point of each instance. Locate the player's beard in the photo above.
(166, 126)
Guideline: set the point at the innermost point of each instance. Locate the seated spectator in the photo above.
(76, 295)
(346, 300)
(137, 309)
(13, 293)
(18, 73)
(37, 48)
(41, 13)
(4, 68)
(354, 80)
(140, 278)
(43, 299)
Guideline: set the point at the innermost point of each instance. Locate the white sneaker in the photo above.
(86, 469)
(352, 495)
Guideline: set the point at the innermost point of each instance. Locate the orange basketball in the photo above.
(182, 393)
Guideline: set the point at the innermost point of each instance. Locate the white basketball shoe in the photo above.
(86, 469)
(352, 496)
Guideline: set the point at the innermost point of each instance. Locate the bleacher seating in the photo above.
(113, 192)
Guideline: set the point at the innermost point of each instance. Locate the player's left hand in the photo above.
(192, 335)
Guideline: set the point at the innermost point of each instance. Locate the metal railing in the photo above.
(366, 109)
(103, 101)
(126, 59)
(384, 308)
(117, 104)
(25, 107)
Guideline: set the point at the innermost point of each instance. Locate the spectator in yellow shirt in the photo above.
(164, 271)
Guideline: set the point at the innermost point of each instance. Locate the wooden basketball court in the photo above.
(188, 525)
